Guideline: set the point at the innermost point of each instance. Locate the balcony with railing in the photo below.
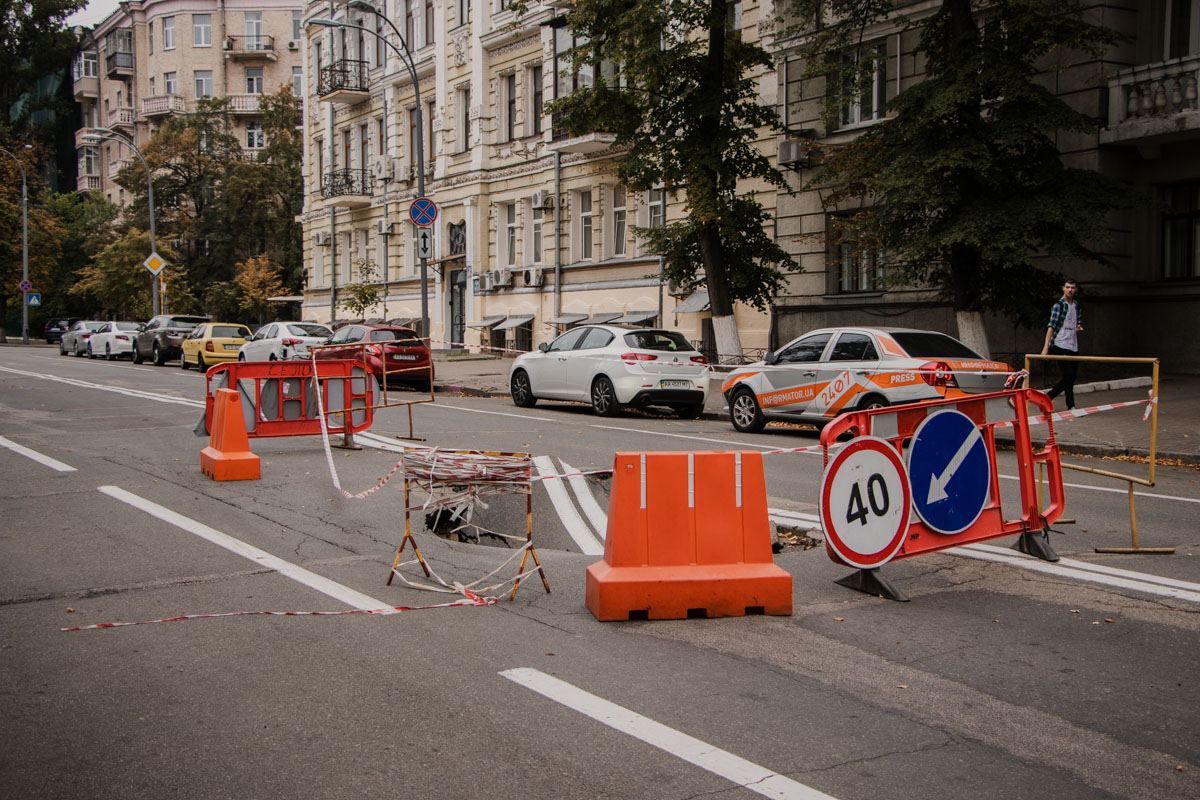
(87, 183)
(244, 103)
(1153, 102)
(120, 117)
(118, 64)
(163, 105)
(250, 48)
(347, 187)
(86, 137)
(115, 165)
(85, 73)
(343, 81)
(558, 138)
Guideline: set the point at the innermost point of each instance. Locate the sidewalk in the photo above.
(1109, 433)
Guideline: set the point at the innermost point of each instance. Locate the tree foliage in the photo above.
(34, 43)
(683, 103)
(364, 294)
(118, 286)
(963, 187)
(45, 234)
(257, 281)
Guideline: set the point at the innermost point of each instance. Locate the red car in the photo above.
(399, 351)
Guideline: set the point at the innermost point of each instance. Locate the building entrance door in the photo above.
(458, 308)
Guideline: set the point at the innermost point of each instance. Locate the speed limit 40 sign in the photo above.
(865, 502)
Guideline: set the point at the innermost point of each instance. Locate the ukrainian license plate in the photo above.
(675, 384)
(403, 357)
(232, 346)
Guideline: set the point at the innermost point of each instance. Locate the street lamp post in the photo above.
(24, 244)
(98, 134)
(406, 59)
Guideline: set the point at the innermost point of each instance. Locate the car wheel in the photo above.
(241, 356)
(137, 355)
(200, 363)
(744, 412)
(108, 355)
(272, 358)
(521, 391)
(157, 355)
(873, 401)
(183, 360)
(90, 354)
(691, 411)
(604, 398)
(77, 351)
(62, 348)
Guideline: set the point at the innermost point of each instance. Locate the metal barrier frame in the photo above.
(360, 352)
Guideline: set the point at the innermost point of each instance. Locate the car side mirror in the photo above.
(770, 357)
(141, 328)
(543, 347)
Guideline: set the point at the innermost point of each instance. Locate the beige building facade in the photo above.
(153, 59)
(534, 233)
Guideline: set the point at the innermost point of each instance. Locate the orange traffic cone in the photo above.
(228, 456)
(688, 536)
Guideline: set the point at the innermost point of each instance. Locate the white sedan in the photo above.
(613, 367)
(113, 340)
(283, 341)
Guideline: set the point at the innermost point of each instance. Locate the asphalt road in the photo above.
(997, 680)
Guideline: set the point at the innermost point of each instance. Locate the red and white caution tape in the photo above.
(1075, 413)
(470, 599)
(1150, 404)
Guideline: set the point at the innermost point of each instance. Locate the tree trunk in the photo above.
(972, 332)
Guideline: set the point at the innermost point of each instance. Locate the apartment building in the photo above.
(1142, 92)
(534, 233)
(154, 58)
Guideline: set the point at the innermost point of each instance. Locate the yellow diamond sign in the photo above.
(154, 263)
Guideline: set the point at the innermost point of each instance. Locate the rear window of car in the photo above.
(309, 330)
(229, 331)
(927, 344)
(187, 323)
(394, 336)
(95, 326)
(668, 341)
(127, 326)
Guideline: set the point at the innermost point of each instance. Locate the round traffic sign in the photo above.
(25, 286)
(423, 212)
(950, 471)
(865, 503)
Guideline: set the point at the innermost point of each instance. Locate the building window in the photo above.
(585, 225)
(413, 153)
(619, 217)
(657, 205)
(150, 36)
(87, 65)
(464, 12)
(255, 137)
(463, 131)
(1181, 231)
(152, 86)
(254, 80)
(534, 113)
(381, 134)
(168, 28)
(864, 85)
(410, 25)
(298, 81)
(430, 133)
(537, 220)
(510, 234)
(428, 23)
(380, 51)
(856, 266)
(364, 146)
(508, 97)
(254, 31)
(89, 161)
(297, 26)
(1182, 34)
(169, 85)
(202, 30)
(204, 83)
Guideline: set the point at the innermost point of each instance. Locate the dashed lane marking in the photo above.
(44, 460)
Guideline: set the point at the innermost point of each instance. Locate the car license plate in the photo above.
(675, 384)
(403, 357)
(232, 346)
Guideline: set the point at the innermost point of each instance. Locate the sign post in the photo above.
(423, 212)
(33, 298)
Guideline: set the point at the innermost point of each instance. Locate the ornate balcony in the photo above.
(1153, 103)
(250, 48)
(347, 187)
(343, 81)
(87, 183)
(163, 105)
(120, 117)
(118, 64)
(244, 103)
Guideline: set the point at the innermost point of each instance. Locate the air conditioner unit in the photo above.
(321, 238)
(383, 227)
(292, 45)
(381, 168)
(487, 281)
(793, 153)
(534, 276)
(541, 199)
(504, 277)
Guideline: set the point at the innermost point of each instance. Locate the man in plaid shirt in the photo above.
(1062, 339)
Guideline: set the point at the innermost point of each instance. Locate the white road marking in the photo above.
(52, 463)
(104, 387)
(60, 360)
(571, 520)
(1100, 568)
(374, 440)
(729, 443)
(297, 573)
(494, 413)
(722, 763)
(1117, 491)
(587, 501)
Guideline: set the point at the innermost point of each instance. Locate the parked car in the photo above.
(399, 351)
(162, 338)
(613, 367)
(113, 340)
(56, 327)
(281, 341)
(75, 340)
(212, 343)
(817, 376)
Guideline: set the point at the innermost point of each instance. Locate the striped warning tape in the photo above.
(471, 599)
(1076, 413)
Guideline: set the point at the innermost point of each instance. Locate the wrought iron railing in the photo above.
(344, 75)
(250, 44)
(342, 182)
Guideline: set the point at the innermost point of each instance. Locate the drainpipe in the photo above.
(662, 323)
(557, 234)
(333, 265)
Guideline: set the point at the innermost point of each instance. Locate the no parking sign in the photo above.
(865, 502)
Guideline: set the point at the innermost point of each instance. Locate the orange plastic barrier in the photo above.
(688, 536)
(228, 456)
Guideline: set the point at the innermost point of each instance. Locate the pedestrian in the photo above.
(1062, 339)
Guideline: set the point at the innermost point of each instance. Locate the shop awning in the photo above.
(515, 322)
(599, 319)
(696, 301)
(566, 319)
(487, 322)
(635, 318)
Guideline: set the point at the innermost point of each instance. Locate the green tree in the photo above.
(45, 235)
(963, 187)
(86, 220)
(364, 294)
(257, 281)
(34, 42)
(677, 87)
(116, 284)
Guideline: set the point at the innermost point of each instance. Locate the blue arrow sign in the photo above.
(33, 298)
(949, 470)
(423, 212)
